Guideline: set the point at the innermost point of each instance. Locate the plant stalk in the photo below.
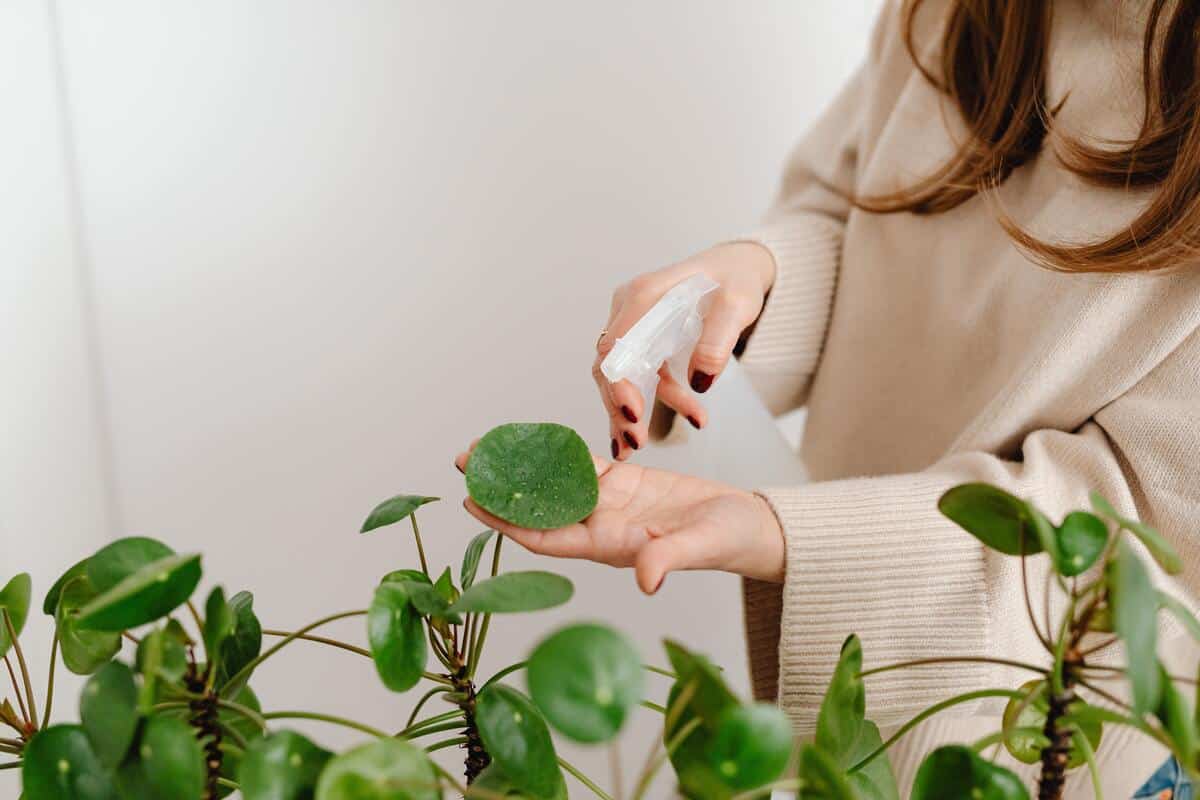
(16, 645)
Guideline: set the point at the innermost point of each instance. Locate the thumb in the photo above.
(696, 546)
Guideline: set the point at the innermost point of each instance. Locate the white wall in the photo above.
(327, 243)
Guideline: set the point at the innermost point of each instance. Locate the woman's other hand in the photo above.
(745, 272)
(657, 522)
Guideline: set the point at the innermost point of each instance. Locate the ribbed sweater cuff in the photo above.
(782, 352)
(873, 556)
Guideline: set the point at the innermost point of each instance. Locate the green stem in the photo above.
(420, 703)
(345, 723)
(11, 765)
(652, 767)
(654, 706)
(477, 650)
(579, 776)
(511, 668)
(666, 673)
(429, 721)
(929, 712)
(12, 676)
(420, 547)
(245, 671)
(16, 645)
(228, 784)
(999, 736)
(449, 726)
(234, 734)
(362, 651)
(50, 680)
(1004, 662)
(433, 748)
(448, 778)
(1060, 649)
(248, 713)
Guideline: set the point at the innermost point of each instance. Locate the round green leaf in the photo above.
(471, 556)
(386, 769)
(245, 642)
(61, 765)
(535, 475)
(512, 592)
(83, 651)
(1081, 540)
(117, 561)
(1026, 741)
(394, 509)
(993, 516)
(167, 761)
(585, 678)
(161, 656)
(751, 746)
(516, 736)
(108, 712)
(957, 771)
(397, 637)
(14, 600)
(153, 591)
(492, 781)
(1134, 604)
(50, 604)
(282, 766)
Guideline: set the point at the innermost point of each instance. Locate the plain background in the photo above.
(266, 262)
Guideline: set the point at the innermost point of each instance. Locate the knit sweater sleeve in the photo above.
(803, 232)
(873, 556)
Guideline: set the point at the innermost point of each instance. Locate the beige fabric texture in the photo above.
(930, 352)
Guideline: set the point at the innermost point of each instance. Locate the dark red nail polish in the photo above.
(695, 422)
(616, 448)
(701, 381)
(627, 412)
(460, 469)
(629, 440)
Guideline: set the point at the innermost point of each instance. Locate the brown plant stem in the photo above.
(208, 729)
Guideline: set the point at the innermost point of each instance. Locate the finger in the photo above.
(615, 419)
(700, 546)
(722, 327)
(675, 395)
(633, 424)
(460, 461)
(569, 542)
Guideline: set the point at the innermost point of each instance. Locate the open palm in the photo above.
(658, 521)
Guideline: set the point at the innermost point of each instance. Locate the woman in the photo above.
(982, 266)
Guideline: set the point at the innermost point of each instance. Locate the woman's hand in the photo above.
(657, 522)
(745, 272)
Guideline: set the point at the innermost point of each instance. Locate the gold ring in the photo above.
(603, 333)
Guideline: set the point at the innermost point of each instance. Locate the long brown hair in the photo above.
(993, 67)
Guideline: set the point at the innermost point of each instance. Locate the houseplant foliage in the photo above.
(170, 708)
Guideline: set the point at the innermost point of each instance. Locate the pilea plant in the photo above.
(177, 718)
(168, 710)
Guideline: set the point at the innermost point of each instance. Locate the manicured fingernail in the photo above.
(464, 472)
(616, 448)
(627, 412)
(701, 381)
(659, 585)
(629, 440)
(695, 422)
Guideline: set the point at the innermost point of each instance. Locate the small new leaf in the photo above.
(394, 509)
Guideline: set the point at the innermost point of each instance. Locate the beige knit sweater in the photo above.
(930, 352)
